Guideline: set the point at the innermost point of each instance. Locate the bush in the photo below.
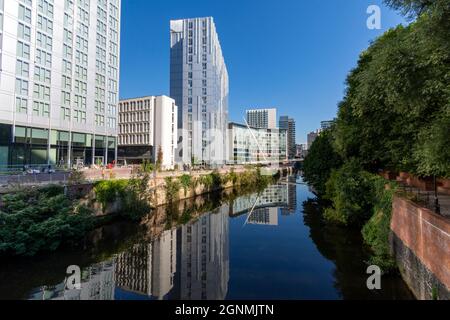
(172, 187)
(41, 220)
(320, 162)
(186, 182)
(376, 231)
(350, 190)
(107, 191)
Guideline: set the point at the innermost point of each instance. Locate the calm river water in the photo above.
(272, 245)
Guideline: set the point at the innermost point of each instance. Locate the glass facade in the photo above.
(20, 146)
(255, 145)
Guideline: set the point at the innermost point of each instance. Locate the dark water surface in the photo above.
(272, 245)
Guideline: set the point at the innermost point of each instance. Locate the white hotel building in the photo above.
(59, 81)
(146, 125)
(199, 85)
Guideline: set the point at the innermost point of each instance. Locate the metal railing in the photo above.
(425, 199)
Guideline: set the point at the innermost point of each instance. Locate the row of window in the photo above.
(134, 116)
(134, 127)
(134, 139)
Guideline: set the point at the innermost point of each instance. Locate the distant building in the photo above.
(288, 124)
(199, 85)
(248, 145)
(301, 150)
(324, 125)
(262, 118)
(147, 125)
(312, 136)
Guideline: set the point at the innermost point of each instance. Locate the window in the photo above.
(41, 109)
(24, 14)
(22, 68)
(45, 24)
(22, 87)
(44, 41)
(42, 75)
(24, 32)
(65, 98)
(23, 50)
(21, 105)
(41, 92)
(46, 8)
(65, 114)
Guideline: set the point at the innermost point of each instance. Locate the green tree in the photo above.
(320, 161)
(411, 8)
(432, 152)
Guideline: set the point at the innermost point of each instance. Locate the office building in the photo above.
(250, 145)
(59, 82)
(288, 124)
(312, 136)
(199, 85)
(324, 125)
(262, 118)
(147, 126)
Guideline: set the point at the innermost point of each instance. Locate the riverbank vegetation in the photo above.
(133, 195)
(395, 116)
(35, 220)
(251, 179)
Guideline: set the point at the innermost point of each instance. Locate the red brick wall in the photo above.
(426, 234)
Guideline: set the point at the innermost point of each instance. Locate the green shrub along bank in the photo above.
(350, 190)
(41, 220)
(395, 116)
(133, 194)
(376, 231)
(214, 181)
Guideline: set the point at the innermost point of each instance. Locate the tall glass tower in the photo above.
(199, 85)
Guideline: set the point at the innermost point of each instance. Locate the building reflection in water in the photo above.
(262, 209)
(190, 262)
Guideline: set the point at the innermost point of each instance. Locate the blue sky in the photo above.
(290, 54)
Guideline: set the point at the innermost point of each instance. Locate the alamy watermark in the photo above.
(374, 19)
(374, 280)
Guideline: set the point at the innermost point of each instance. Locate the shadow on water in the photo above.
(345, 248)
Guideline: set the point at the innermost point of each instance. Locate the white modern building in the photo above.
(249, 145)
(147, 126)
(59, 81)
(262, 118)
(199, 85)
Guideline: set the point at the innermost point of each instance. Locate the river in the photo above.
(271, 245)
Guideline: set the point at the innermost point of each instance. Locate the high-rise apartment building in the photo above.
(262, 118)
(312, 136)
(148, 126)
(59, 81)
(288, 124)
(324, 125)
(199, 85)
